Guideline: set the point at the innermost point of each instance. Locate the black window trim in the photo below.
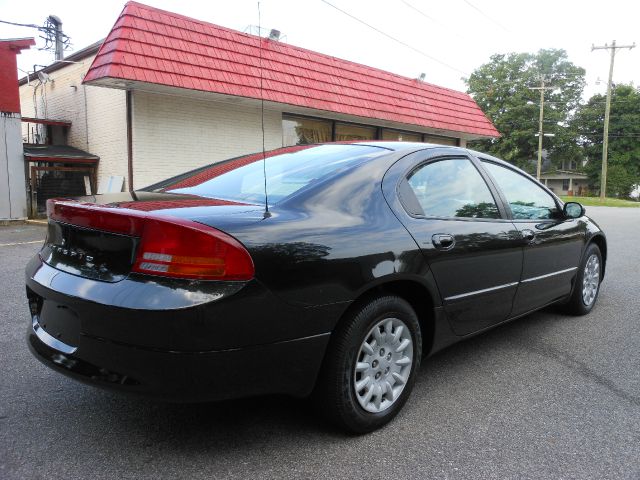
(557, 201)
(378, 128)
(404, 178)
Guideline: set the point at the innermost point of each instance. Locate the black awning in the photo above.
(57, 153)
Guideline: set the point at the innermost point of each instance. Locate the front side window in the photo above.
(526, 199)
(452, 188)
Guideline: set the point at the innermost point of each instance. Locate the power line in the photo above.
(423, 14)
(599, 103)
(450, 30)
(28, 25)
(55, 39)
(424, 54)
(554, 122)
(487, 16)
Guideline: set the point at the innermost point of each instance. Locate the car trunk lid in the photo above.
(101, 237)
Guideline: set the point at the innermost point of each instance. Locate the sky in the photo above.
(445, 40)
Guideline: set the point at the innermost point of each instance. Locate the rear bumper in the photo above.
(288, 367)
(243, 343)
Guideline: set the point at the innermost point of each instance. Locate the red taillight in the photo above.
(169, 247)
(185, 249)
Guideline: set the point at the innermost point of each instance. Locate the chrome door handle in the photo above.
(443, 241)
(528, 235)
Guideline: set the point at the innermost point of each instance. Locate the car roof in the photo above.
(403, 146)
(409, 147)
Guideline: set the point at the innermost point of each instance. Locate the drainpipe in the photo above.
(129, 101)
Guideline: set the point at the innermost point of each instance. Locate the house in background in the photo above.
(566, 180)
(165, 93)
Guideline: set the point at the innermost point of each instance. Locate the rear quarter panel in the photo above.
(333, 241)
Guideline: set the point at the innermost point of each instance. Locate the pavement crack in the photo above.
(582, 369)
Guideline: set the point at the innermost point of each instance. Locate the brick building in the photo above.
(164, 93)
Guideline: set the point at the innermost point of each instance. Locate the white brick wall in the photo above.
(103, 132)
(59, 100)
(172, 134)
(107, 122)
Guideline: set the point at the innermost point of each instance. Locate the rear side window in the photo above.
(288, 170)
(452, 188)
(526, 199)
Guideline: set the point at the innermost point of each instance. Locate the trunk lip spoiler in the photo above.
(105, 218)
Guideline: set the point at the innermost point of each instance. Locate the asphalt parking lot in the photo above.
(548, 396)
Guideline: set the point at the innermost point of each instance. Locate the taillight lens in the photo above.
(169, 247)
(185, 249)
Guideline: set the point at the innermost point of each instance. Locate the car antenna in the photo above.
(267, 214)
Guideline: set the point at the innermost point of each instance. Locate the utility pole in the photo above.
(605, 141)
(56, 23)
(542, 88)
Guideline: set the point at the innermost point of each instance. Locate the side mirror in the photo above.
(573, 210)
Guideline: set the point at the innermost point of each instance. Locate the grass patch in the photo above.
(607, 202)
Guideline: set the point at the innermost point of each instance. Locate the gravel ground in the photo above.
(548, 396)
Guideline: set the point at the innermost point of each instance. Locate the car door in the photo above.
(553, 245)
(474, 252)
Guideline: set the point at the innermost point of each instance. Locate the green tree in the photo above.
(501, 88)
(623, 164)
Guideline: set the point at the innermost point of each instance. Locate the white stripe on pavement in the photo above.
(20, 243)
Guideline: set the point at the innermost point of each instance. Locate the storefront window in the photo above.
(306, 130)
(397, 135)
(303, 131)
(441, 140)
(346, 132)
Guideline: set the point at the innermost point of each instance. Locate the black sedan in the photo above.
(326, 270)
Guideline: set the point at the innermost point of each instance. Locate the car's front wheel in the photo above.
(587, 286)
(371, 365)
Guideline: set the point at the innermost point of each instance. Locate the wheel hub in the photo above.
(590, 280)
(383, 365)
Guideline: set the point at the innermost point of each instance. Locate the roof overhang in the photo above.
(57, 154)
(47, 121)
(137, 86)
(562, 175)
(17, 44)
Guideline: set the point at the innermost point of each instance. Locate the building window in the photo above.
(565, 184)
(441, 140)
(397, 135)
(346, 132)
(302, 131)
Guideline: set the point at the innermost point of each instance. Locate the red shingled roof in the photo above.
(155, 46)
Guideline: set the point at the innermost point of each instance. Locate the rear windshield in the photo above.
(288, 170)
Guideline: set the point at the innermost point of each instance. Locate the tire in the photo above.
(393, 357)
(587, 283)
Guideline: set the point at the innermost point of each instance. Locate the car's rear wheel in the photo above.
(587, 286)
(370, 366)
